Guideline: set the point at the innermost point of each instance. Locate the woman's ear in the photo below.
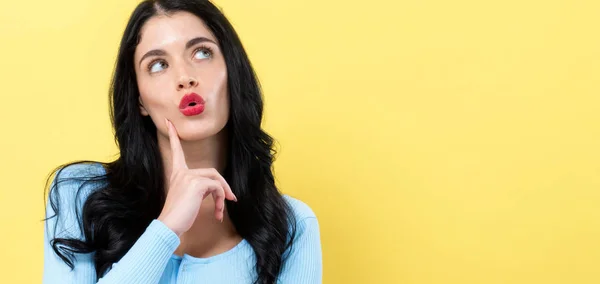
(142, 108)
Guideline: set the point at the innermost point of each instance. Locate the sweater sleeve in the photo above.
(144, 263)
(304, 263)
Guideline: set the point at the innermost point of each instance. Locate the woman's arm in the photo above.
(144, 263)
(304, 263)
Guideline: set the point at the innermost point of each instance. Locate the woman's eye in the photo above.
(158, 66)
(202, 53)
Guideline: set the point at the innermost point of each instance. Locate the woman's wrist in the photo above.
(166, 222)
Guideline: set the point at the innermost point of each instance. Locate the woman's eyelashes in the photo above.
(200, 53)
(157, 66)
(204, 51)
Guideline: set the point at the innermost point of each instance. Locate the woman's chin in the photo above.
(198, 132)
(194, 135)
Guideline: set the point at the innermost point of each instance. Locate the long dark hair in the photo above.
(131, 191)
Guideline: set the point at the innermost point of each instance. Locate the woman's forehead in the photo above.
(162, 31)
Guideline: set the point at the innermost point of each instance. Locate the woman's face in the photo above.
(177, 56)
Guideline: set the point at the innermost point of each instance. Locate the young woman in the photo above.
(191, 198)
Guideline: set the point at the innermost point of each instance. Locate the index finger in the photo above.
(176, 150)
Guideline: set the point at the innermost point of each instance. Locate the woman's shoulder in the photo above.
(307, 241)
(83, 170)
(70, 188)
(73, 183)
(300, 209)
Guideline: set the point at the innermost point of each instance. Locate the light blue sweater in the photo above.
(151, 260)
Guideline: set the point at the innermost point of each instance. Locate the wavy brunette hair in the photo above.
(131, 191)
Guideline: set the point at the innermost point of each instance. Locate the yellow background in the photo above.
(437, 141)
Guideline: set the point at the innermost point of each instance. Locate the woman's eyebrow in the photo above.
(197, 40)
(190, 43)
(154, 52)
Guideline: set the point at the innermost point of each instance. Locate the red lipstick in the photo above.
(191, 104)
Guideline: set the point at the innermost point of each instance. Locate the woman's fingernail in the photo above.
(167, 123)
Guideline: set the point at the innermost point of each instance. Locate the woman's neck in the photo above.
(207, 153)
(207, 235)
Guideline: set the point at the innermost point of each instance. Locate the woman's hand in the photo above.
(188, 188)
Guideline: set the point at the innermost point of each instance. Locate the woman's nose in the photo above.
(186, 83)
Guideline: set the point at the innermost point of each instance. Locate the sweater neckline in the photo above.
(189, 258)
